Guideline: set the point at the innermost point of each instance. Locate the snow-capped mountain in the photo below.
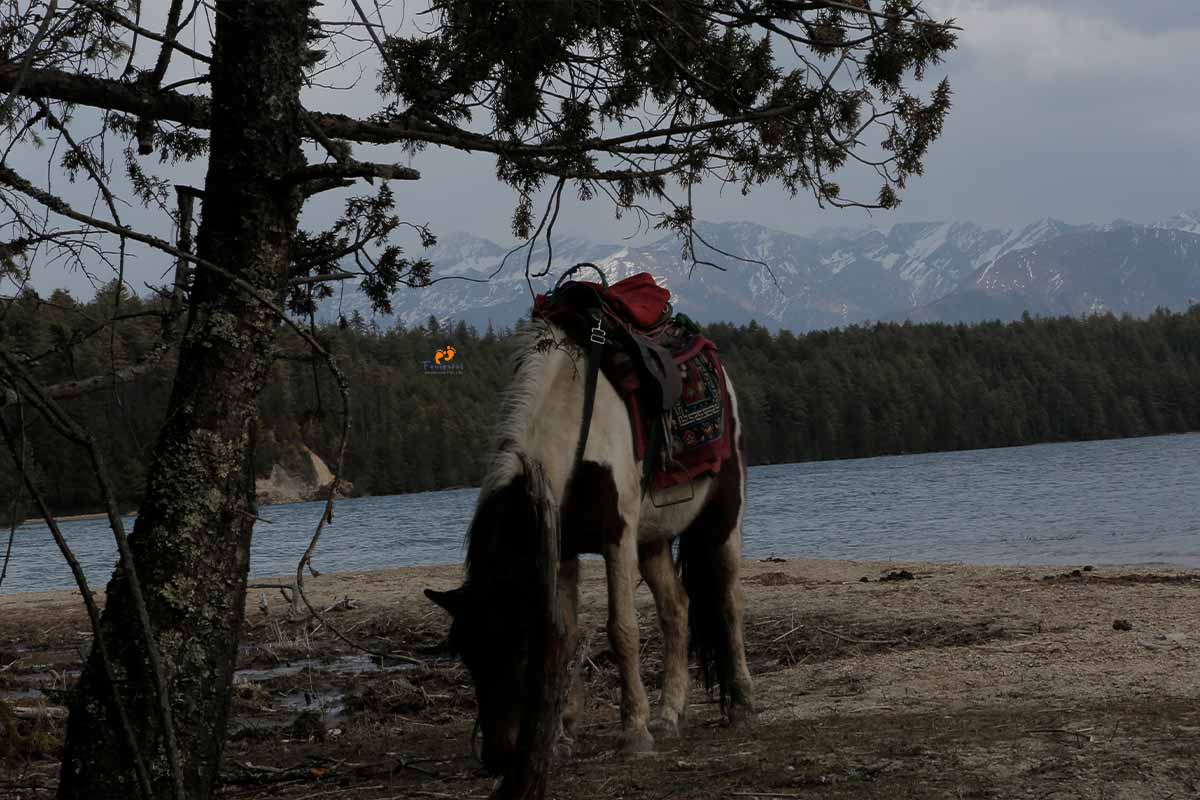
(1128, 269)
(1188, 221)
(948, 271)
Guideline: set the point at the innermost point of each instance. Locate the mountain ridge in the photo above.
(947, 271)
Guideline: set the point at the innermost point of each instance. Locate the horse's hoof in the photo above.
(568, 727)
(564, 748)
(637, 742)
(740, 714)
(664, 728)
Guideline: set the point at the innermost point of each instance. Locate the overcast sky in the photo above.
(1084, 110)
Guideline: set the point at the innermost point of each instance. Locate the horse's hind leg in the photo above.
(733, 603)
(658, 569)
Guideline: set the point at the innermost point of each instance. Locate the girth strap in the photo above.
(598, 338)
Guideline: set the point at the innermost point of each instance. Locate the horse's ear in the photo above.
(453, 600)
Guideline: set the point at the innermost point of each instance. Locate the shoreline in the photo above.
(750, 565)
(849, 570)
(92, 515)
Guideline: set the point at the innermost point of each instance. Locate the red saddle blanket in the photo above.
(694, 436)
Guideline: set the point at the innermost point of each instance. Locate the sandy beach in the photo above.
(957, 682)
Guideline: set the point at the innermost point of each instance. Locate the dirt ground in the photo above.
(957, 682)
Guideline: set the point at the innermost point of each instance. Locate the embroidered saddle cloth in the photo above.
(669, 375)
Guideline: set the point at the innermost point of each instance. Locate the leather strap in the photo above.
(659, 363)
(598, 339)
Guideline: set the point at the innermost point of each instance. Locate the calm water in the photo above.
(1113, 502)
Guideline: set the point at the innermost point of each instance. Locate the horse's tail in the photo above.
(706, 578)
(709, 565)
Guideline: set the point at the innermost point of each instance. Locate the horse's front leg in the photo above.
(568, 600)
(621, 565)
(658, 569)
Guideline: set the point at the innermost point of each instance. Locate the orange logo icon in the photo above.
(446, 354)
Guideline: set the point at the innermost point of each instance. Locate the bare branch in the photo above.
(69, 389)
(10, 178)
(130, 740)
(317, 185)
(353, 169)
(106, 93)
(124, 22)
(340, 275)
(85, 158)
(169, 43)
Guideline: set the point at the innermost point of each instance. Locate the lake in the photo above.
(1127, 501)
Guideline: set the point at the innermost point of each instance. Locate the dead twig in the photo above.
(1080, 733)
(785, 635)
(340, 791)
(39, 712)
(852, 640)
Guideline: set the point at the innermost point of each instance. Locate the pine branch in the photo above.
(195, 112)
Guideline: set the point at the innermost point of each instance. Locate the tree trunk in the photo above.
(191, 542)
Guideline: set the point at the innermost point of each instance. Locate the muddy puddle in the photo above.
(351, 664)
(314, 680)
(306, 686)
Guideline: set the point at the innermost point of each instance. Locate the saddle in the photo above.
(667, 373)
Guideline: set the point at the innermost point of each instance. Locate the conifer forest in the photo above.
(856, 392)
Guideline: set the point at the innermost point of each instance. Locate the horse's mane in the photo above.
(517, 400)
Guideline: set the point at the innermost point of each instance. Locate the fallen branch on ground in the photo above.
(1081, 733)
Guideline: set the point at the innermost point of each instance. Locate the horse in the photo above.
(537, 486)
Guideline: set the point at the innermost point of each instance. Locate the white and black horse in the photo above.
(536, 487)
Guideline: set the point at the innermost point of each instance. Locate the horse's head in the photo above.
(488, 633)
(512, 560)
